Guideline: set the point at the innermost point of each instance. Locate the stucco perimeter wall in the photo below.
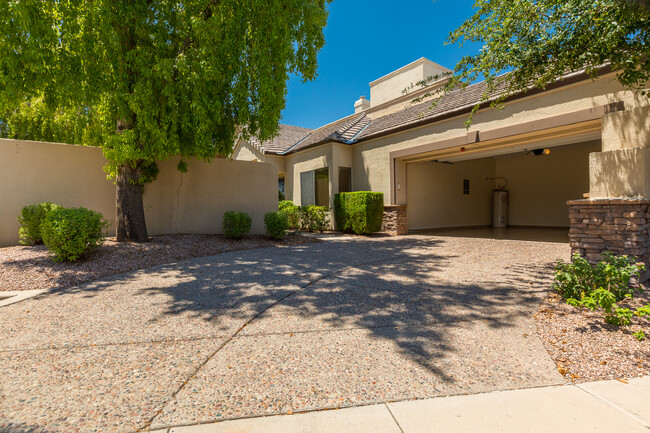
(372, 162)
(540, 186)
(194, 202)
(33, 172)
(436, 199)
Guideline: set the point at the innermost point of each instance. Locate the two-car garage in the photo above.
(454, 186)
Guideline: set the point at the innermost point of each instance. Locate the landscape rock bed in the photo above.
(26, 267)
(585, 348)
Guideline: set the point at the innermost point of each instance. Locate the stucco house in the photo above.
(576, 154)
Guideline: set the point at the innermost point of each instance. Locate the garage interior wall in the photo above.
(538, 186)
(435, 194)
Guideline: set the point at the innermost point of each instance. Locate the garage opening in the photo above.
(456, 195)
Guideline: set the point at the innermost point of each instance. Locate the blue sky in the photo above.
(367, 39)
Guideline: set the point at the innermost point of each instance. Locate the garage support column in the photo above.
(616, 217)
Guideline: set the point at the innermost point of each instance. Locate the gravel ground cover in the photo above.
(586, 348)
(31, 267)
(277, 330)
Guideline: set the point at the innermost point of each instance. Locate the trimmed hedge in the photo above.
(360, 212)
(31, 218)
(70, 233)
(276, 225)
(236, 224)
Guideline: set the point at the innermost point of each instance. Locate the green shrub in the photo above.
(69, 233)
(314, 218)
(360, 212)
(236, 224)
(576, 279)
(601, 286)
(276, 225)
(292, 212)
(30, 220)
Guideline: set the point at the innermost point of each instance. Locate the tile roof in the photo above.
(359, 127)
(343, 130)
(288, 135)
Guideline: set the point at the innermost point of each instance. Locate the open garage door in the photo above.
(457, 190)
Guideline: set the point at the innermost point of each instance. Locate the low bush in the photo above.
(70, 233)
(309, 218)
(602, 286)
(314, 218)
(31, 218)
(292, 212)
(276, 225)
(236, 224)
(360, 212)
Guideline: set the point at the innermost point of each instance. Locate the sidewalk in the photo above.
(606, 406)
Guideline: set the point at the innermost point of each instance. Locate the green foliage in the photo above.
(601, 286)
(541, 40)
(31, 218)
(314, 218)
(280, 196)
(360, 212)
(153, 79)
(292, 212)
(34, 120)
(69, 233)
(236, 224)
(276, 225)
(310, 218)
(613, 273)
(639, 335)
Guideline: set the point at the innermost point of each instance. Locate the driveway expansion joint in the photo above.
(257, 315)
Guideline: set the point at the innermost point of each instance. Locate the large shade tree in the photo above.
(156, 78)
(539, 41)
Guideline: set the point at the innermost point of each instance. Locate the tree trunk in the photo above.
(131, 226)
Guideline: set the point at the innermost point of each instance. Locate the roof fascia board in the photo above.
(561, 120)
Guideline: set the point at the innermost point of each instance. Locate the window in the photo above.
(315, 187)
(345, 179)
(281, 184)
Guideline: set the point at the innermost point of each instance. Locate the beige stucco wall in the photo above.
(244, 151)
(34, 172)
(392, 85)
(620, 173)
(626, 129)
(435, 194)
(195, 202)
(540, 186)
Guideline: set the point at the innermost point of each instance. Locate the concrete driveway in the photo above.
(341, 323)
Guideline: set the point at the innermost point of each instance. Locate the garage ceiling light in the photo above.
(539, 152)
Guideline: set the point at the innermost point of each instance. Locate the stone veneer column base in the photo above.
(619, 226)
(395, 222)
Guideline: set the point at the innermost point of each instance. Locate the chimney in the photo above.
(361, 105)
